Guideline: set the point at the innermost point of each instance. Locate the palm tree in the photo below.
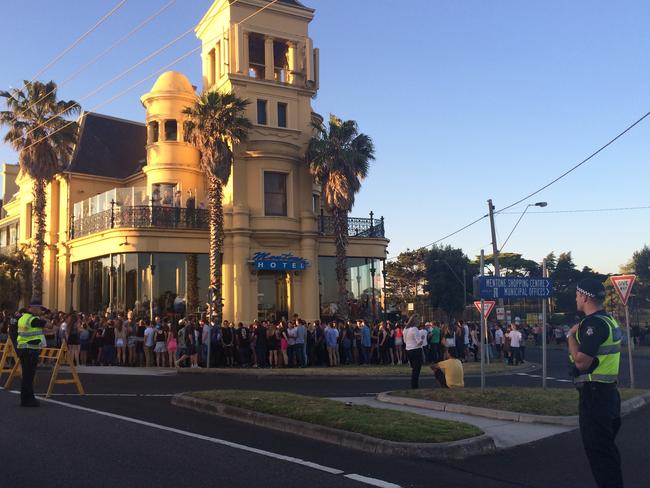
(216, 123)
(15, 279)
(44, 140)
(339, 159)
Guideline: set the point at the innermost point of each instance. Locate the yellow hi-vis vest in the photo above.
(28, 335)
(609, 354)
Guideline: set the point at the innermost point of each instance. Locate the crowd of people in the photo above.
(125, 340)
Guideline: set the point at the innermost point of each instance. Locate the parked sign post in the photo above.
(623, 286)
(484, 308)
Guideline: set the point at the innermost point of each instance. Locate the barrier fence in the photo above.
(10, 364)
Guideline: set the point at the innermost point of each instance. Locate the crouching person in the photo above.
(449, 372)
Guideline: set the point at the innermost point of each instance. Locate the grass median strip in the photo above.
(355, 371)
(553, 401)
(375, 422)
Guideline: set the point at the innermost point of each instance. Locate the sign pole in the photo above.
(629, 345)
(544, 365)
(623, 286)
(482, 330)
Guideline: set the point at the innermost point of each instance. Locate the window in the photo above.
(256, 60)
(282, 114)
(280, 60)
(212, 66)
(261, 112)
(217, 60)
(275, 194)
(30, 222)
(171, 130)
(315, 200)
(153, 132)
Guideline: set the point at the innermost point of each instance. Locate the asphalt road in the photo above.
(132, 440)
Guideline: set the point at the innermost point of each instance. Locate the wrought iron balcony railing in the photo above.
(357, 227)
(141, 217)
(158, 217)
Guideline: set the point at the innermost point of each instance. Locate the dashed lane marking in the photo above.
(290, 459)
(548, 377)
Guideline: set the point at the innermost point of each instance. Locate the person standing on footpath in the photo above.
(414, 342)
(30, 339)
(594, 352)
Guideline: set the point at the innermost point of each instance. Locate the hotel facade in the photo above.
(127, 219)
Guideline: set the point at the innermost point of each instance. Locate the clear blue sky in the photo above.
(465, 100)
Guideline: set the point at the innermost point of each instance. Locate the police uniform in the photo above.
(599, 336)
(28, 344)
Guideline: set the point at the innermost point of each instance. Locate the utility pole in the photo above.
(495, 249)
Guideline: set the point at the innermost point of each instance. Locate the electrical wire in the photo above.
(583, 210)
(120, 41)
(76, 42)
(570, 170)
(136, 65)
(188, 53)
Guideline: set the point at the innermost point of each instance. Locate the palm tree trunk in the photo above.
(341, 238)
(39, 240)
(192, 283)
(215, 203)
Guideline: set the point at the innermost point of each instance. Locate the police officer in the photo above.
(28, 343)
(594, 348)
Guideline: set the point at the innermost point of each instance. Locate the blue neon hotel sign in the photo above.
(282, 262)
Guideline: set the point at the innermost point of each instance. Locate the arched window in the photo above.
(153, 131)
(171, 130)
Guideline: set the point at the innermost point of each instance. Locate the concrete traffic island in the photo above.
(344, 424)
(529, 405)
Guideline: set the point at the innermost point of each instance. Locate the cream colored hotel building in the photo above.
(119, 233)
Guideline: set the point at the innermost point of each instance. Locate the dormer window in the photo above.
(171, 130)
(280, 61)
(256, 56)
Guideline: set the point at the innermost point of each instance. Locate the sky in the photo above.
(465, 100)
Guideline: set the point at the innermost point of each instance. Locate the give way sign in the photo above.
(488, 305)
(623, 286)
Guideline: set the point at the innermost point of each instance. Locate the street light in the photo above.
(538, 204)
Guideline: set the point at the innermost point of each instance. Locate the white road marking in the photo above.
(116, 394)
(548, 377)
(371, 481)
(223, 442)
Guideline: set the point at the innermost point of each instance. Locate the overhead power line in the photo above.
(188, 53)
(582, 210)
(76, 42)
(570, 170)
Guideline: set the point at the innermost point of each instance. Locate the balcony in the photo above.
(141, 217)
(357, 227)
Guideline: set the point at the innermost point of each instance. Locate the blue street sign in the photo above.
(514, 287)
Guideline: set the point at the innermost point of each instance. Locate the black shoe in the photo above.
(31, 403)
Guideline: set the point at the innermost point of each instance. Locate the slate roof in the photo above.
(294, 3)
(108, 146)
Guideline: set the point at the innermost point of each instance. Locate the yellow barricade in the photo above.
(61, 358)
(7, 355)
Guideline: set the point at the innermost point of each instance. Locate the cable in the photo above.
(188, 53)
(611, 141)
(585, 210)
(139, 63)
(445, 237)
(121, 40)
(76, 42)
(513, 229)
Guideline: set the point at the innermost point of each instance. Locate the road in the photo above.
(125, 433)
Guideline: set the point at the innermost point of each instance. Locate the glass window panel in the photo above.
(282, 114)
(275, 194)
(261, 112)
(171, 130)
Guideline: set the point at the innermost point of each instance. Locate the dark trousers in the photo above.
(440, 377)
(261, 353)
(28, 362)
(600, 420)
(415, 359)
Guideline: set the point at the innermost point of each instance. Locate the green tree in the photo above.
(216, 124)
(339, 159)
(404, 275)
(44, 139)
(513, 264)
(445, 266)
(15, 279)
